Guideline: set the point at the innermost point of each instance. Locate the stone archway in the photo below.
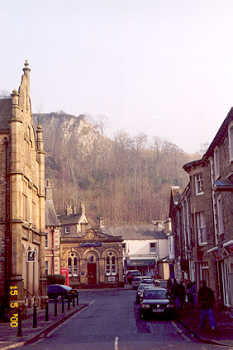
(92, 259)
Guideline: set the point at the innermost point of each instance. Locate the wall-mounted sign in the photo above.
(91, 244)
(31, 255)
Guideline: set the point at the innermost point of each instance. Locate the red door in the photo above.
(91, 273)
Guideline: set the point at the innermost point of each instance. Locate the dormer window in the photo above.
(198, 182)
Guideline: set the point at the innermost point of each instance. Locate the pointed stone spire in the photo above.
(83, 209)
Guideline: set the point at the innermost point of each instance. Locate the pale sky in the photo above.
(159, 67)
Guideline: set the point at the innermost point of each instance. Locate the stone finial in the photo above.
(14, 93)
(26, 67)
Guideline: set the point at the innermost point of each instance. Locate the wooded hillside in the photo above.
(125, 180)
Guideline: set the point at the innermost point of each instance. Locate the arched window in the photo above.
(73, 265)
(111, 268)
(75, 270)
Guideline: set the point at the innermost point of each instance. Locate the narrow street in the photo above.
(111, 322)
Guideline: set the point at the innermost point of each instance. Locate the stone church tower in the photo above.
(22, 196)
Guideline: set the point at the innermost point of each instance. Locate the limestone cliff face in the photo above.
(62, 131)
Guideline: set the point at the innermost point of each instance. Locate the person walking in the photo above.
(206, 302)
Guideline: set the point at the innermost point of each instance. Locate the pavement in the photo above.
(8, 335)
(189, 318)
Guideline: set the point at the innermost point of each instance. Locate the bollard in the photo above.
(62, 304)
(68, 303)
(19, 331)
(34, 316)
(55, 307)
(46, 310)
(73, 301)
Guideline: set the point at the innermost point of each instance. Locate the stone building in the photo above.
(22, 197)
(52, 237)
(202, 218)
(92, 257)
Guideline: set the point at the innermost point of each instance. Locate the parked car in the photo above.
(136, 281)
(156, 301)
(56, 290)
(140, 290)
(147, 279)
(130, 274)
(161, 283)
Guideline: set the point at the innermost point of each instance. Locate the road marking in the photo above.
(92, 302)
(68, 319)
(116, 343)
(180, 331)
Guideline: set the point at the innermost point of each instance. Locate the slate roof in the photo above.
(135, 232)
(5, 112)
(69, 219)
(50, 214)
(99, 235)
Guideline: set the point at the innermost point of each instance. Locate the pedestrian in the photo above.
(175, 294)
(169, 286)
(181, 294)
(206, 302)
(193, 294)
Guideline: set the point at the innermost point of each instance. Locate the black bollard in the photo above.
(68, 302)
(62, 304)
(46, 310)
(55, 307)
(73, 301)
(19, 331)
(34, 316)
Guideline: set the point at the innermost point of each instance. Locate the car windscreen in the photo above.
(155, 294)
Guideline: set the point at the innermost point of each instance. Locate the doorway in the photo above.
(91, 273)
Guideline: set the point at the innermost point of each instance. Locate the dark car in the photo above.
(140, 290)
(56, 290)
(156, 301)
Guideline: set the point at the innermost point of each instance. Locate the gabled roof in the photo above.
(92, 235)
(174, 198)
(50, 214)
(220, 134)
(136, 232)
(69, 219)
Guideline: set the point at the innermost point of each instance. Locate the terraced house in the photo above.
(202, 220)
(22, 197)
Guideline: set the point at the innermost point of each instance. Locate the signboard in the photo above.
(31, 255)
(111, 279)
(91, 244)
